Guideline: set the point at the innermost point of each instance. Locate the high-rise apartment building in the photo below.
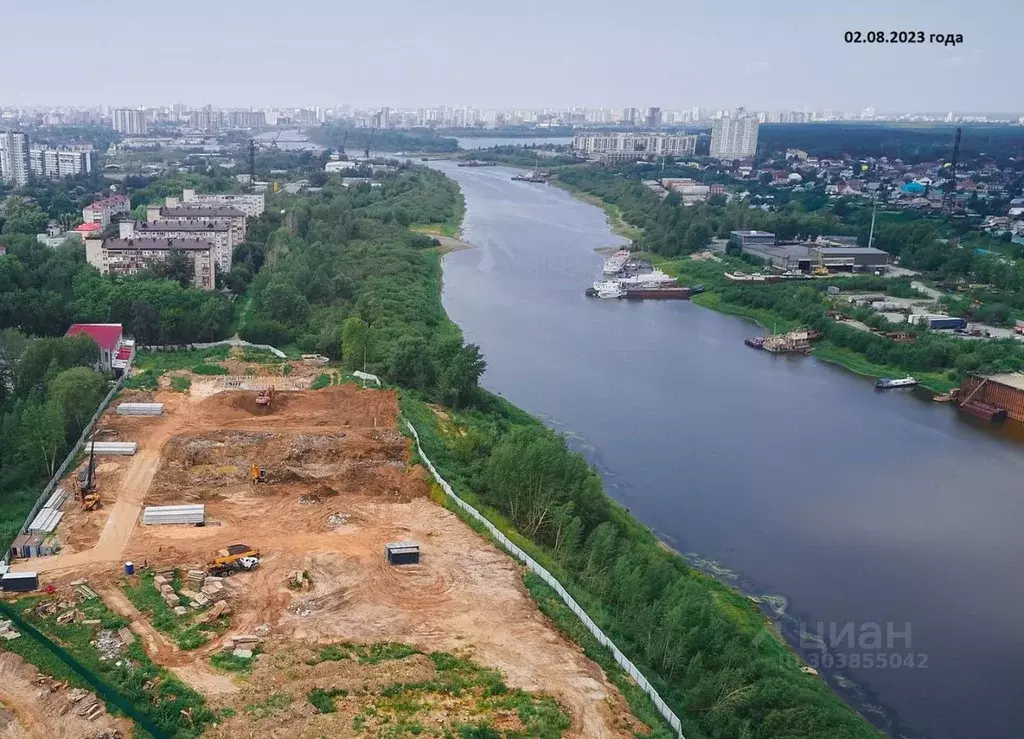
(653, 117)
(734, 138)
(64, 162)
(130, 122)
(14, 158)
(614, 147)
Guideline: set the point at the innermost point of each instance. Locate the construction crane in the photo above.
(85, 481)
(233, 559)
(344, 141)
(369, 140)
(947, 198)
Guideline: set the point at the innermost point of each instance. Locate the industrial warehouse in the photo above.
(833, 253)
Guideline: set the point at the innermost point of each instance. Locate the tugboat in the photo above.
(887, 383)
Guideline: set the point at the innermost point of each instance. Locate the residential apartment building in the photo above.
(252, 204)
(734, 138)
(174, 212)
(631, 146)
(56, 163)
(130, 256)
(102, 211)
(130, 122)
(15, 167)
(217, 232)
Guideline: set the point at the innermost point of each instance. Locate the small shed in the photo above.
(26, 545)
(19, 582)
(402, 553)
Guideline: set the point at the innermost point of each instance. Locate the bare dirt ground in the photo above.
(339, 488)
(33, 706)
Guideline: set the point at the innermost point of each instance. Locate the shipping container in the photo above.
(19, 582)
(402, 553)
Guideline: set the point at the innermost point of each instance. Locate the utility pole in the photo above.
(871, 235)
(252, 165)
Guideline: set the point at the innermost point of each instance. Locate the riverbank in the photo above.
(624, 576)
(616, 222)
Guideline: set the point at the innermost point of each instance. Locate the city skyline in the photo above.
(532, 56)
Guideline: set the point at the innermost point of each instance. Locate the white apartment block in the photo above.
(102, 211)
(130, 256)
(631, 146)
(130, 121)
(15, 166)
(56, 163)
(734, 138)
(252, 204)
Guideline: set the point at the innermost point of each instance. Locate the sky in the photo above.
(764, 54)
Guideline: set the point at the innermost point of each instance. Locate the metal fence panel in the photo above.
(533, 566)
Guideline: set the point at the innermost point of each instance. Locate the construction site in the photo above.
(253, 535)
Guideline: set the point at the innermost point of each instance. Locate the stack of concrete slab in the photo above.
(7, 631)
(57, 500)
(166, 591)
(123, 448)
(196, 577)
(140, 409)
(241, 646)
(214, 589)
(45, 521)
(173, 514)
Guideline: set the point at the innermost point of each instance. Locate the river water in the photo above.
(792, 477)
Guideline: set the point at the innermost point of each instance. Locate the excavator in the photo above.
(85, 484)
(236, 558)
(257, 474)
(265, 397)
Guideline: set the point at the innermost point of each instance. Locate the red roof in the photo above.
(89, 227)
(107, 335)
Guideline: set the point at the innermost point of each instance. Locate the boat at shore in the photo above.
(887, 383)
(616, 262)
(794, 342)
(478, 163)
(530, 177)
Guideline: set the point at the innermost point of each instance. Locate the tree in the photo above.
(458, 381)
(77, 392)
(354, 339)
(12, 346)
(698, 236)
(42, 435)
(411, 364)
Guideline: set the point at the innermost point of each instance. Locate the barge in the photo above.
(531, 177)
(887, 383)
(985, 411)
(477, 163)
(795, 342)
(657, 293)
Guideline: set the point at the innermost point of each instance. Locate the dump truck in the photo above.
(236, 558)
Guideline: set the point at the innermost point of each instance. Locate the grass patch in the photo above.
(170, 707)
(181, 383)
(144, 380)
(144, 595)
(209, 369)
(275, 702)
(259, 356)
(323, 700)
(367, 654)
(939, 382)
(230, 663)
(165, 361)
(321, 381)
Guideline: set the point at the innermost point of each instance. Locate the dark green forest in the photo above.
(345, 277)
(334, 135)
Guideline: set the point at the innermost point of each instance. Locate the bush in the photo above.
(181, 383)
(321, 381)
(209, 369)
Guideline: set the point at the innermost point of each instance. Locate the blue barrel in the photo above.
(129, 568)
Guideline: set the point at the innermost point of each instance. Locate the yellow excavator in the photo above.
(235, 558)
(257, 475)
(820, 270)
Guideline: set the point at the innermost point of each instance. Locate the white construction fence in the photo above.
(532, 565)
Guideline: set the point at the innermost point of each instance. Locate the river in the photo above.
(795, 477)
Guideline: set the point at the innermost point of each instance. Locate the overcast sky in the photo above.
(765, 54)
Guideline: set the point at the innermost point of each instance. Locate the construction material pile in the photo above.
(173, 514)
(123, 448)
(7, 632)
(140, 409)
(242, 646)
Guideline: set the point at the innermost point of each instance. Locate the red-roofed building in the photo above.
(85, 230)
(108, 336)
(103, 210)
